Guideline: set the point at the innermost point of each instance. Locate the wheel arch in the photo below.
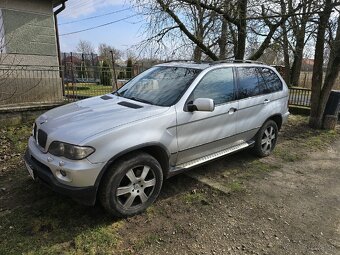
(156, 150)
(277, 118)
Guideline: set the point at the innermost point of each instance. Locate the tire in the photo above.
(265, 139)
(131, 185)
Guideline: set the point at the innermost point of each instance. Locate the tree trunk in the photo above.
(222, 43)
(241, 30)
(299, 24)
(286, 55)
(197, 54)
(317, 109)
(285, 45)
(297, 62)
(331, 74)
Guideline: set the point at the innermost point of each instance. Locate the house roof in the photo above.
(57, 2)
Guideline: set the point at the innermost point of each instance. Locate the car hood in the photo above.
(75, 122)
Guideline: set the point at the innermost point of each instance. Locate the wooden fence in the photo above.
(300, 96)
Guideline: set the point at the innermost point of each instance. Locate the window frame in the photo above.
(238, 81)
(199, 82)
(271, 70)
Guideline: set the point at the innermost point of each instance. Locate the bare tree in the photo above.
(299, 26)
(218, 29)
(104, 51)
(85, 47)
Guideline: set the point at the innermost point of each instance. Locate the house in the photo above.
(29, 47)
(307, 64)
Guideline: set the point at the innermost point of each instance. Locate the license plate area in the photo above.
(30, 171)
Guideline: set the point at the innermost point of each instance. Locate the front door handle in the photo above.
(232, 110)
(266, 101)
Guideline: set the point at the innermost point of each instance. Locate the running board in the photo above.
(214, 155)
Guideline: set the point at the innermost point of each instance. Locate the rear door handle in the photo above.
(266, 101)
(232, 110)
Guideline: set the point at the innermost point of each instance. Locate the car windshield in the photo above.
(159, 85)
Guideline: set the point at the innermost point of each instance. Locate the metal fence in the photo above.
(36, 85)
(30, 85)
(86, 75)
(86, 81)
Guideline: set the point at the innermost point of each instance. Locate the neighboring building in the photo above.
(307, 64)
(29, 51)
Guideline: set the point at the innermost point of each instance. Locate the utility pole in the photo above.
(114, 71)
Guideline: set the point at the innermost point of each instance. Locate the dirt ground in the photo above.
(287, 203)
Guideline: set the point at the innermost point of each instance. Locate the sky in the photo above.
(124, 32)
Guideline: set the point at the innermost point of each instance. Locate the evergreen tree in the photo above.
(105, 74)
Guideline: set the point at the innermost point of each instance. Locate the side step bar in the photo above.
(215, 155)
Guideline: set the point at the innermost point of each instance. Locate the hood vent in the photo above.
(130, 105)
(105, 97)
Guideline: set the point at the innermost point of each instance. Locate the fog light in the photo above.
(62, 172)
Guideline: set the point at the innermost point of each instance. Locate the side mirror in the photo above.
(201, 104)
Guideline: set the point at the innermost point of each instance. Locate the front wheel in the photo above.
(132, 184)
(266, 139)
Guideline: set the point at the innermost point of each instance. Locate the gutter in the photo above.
(56, 28)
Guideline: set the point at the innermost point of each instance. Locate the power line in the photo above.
(94, 17)
(102, 25)
(76, 7)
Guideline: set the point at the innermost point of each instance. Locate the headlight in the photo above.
(70, 151)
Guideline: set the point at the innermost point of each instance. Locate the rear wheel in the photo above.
(131, 185)
(266, 139)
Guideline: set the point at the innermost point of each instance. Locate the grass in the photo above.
(194, 197)
(87, 89)
(236, 186)
(299, 139)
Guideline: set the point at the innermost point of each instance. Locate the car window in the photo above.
(272, 80)
(218, 85)
(250, 82)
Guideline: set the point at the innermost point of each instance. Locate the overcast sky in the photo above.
(79, 15)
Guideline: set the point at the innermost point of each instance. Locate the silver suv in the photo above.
(118, 148)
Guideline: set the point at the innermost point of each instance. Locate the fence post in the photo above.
(73, 80)
(114, 70)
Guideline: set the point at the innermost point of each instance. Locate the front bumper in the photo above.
(83, 195)
(81, 175)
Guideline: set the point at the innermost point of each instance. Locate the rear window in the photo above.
(250, 82)
(272, 80)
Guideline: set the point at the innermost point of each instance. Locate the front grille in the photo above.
(42, 138)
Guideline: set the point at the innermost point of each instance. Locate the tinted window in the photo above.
(218, 85)
(272, 80)
(251, 82)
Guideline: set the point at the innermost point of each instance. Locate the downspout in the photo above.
(57, 30)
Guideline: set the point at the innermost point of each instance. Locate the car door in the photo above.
(255, 102)
(202, 133)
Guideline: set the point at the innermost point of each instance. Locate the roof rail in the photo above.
(217, 61)
(181, 60)
(236, 61)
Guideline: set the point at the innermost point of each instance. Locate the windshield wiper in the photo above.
(140, 100)
(117, 93)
